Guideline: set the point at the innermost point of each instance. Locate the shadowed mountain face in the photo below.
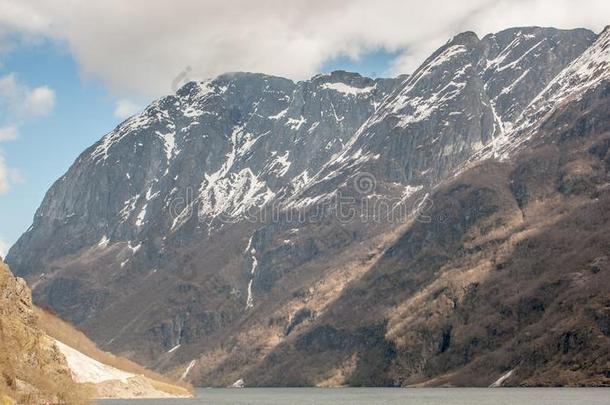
(248, 225)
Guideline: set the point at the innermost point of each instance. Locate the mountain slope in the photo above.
(43, 358)
(463, 97)
(206, 236)
(112, 376)
(31, 367)
(507, 281)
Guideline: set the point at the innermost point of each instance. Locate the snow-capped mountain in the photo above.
(155, 242)
(464, 97)
(217, 147)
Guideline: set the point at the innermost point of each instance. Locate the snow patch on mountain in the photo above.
(498, 64)
(584, 73)
(188, 369)
(128, 207)
(169, 144)
(279, 115)
(295, 123)
(173, 349)
(280, 164)
(228, 192)
(134, 249)
(445, 56)
(498, 383)
(347, 89)
(103, 241)
(87, 370)
(252, 252)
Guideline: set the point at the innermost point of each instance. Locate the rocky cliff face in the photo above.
(31, 367)
(209, 236)
(202, 157)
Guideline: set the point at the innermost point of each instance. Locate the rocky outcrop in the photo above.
(32, 369)
(36, 367)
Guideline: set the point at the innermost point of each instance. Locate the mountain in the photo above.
(348, 230)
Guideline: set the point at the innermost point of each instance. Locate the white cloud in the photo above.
(4, 247)
(125, 108)
(141, 46)
(19, 103)
(15, 176)
(9, 133)
(4, 176)
(8, 176)
(39, 102)
(23, 102)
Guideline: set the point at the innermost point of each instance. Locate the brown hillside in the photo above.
(32, 370)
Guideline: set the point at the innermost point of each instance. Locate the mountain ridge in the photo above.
(169, 206)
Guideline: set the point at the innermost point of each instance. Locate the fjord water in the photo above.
(372, 396)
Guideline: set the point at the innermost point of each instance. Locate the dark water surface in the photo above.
(372, 396)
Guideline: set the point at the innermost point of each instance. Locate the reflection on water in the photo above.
(372, 396)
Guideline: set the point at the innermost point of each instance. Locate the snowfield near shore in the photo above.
(87, 370)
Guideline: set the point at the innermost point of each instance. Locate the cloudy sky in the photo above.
(71, 70)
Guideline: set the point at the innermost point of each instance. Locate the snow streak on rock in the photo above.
(584, 73)
(252, 252)
(188, 369)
